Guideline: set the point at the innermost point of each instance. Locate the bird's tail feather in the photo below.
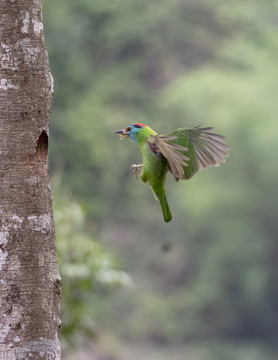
(165, 208)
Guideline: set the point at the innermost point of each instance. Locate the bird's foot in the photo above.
(136, 170)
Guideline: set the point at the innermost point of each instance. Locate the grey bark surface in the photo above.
(29, 275)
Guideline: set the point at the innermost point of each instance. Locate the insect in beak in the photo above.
(122, 133)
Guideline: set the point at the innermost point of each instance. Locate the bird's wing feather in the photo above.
(190, 150)
(210, 147)
(174, 153)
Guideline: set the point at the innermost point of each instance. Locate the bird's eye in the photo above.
(128, 129)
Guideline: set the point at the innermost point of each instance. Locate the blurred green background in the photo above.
(205, 286)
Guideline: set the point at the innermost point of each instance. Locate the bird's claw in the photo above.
(136, 170)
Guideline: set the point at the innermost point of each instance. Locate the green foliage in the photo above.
(88, 270)
(169, 64)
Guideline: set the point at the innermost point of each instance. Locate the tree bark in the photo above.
(29, 275)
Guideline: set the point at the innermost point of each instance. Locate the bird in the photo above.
(183, 152)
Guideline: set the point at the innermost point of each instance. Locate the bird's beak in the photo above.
(122, 133)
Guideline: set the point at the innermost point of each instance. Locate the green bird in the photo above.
(183, 152)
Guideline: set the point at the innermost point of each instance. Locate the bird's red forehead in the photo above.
(143, 125)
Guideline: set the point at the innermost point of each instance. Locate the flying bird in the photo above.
(183, 152)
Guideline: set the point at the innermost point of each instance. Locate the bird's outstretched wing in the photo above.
(190, 150)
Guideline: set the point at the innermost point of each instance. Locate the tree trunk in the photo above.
(29, 276)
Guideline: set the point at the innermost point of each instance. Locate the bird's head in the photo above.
(135, 132)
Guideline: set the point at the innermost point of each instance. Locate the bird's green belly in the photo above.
(154, 170)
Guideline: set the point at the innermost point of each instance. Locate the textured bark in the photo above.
(29, 276)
